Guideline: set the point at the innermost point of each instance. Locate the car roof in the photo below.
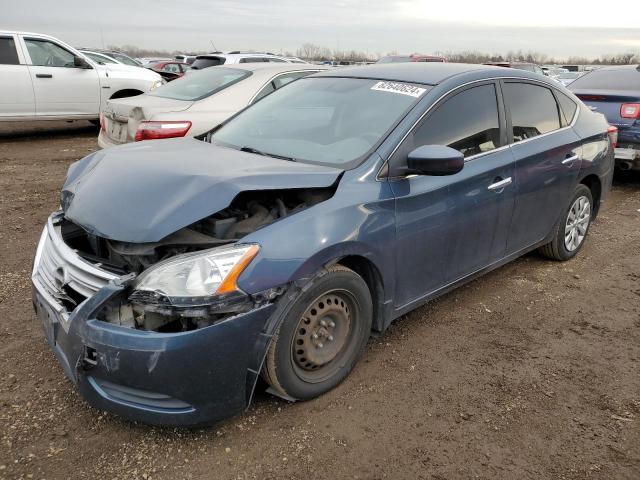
(273, 67)
(618, 67)
(428, 73)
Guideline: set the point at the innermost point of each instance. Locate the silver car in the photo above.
(195, 103)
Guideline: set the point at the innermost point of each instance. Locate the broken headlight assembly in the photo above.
(192, 290)
(192, 279)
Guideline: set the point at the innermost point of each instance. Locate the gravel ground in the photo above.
(530, 372)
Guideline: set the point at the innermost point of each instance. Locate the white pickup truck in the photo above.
(42, 78)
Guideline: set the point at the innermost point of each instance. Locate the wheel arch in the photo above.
(593, 183)
(126, 92)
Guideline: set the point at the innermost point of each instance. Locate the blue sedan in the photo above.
(179, 271)
(615, 92)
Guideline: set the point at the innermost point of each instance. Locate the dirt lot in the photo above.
(529, 372)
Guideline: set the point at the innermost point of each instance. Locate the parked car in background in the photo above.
(529, 67)
(170, 70)
(295, 60)
(567, 78)
(195, 103)
(278, 242)
(554, 71)
(119, 57)
(571, 68)
(188, 59)
(149, 61)
(43, 78)
(219, 58)
(615, 92)
(415, 57)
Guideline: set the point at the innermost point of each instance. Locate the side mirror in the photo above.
(435, 160)
(79, 62)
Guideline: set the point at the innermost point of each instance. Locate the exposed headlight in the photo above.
(198, 275)
(156, 84)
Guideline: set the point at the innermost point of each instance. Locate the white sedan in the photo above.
(195, 103)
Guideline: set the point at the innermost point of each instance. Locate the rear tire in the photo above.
(322, 336)
(571, 230)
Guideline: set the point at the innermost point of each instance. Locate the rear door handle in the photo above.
(570, 159)
(44, 75)
(500, 184)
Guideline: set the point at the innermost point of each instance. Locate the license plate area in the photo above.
(117, 131)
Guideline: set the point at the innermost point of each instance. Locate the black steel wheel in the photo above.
(322, 336)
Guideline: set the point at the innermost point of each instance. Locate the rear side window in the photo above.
(616, 79)
(8, 52)
(534, 110)
(567, 106)
(467, 122)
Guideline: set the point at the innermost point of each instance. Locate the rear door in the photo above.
(16, 91)
(547, 153)
(449, 227)
(61, 89)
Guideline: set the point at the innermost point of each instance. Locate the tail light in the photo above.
(102, 125)
(157, 130)
(593, 98)
(630, 110)
(613, 135)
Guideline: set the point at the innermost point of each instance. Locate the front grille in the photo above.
(60, 273)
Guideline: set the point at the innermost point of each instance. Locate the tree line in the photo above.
(314, 52)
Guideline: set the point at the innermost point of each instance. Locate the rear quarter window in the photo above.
(567, 106)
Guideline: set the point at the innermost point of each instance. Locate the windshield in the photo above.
(198, 85)
(102, 60)
(124, 59)
(330, 121)
(204, 62)
(615, 79)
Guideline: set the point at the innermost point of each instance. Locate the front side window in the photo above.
(8, 52)
(324, 120)
(44, 53)
(467, 122)
(199, 85)
(533, 108)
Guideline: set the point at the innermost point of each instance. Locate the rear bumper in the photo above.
(628, 156)
(190, 378)
(104, 141)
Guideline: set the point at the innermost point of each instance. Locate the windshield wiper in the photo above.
(265, 154)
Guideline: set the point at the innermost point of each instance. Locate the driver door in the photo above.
(60, 88)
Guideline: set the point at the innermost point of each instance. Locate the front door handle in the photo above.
(570, 159)
(44, 75)
(499, 185)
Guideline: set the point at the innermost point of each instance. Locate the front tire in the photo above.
(322, 336)
(571, 230)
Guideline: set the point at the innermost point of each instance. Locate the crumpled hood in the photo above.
(144, 191)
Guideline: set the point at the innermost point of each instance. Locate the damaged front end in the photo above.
(175, 289)
(160, 331)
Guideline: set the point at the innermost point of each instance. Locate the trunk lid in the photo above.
(123, 115)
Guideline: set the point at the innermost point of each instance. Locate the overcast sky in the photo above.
(555, 27)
